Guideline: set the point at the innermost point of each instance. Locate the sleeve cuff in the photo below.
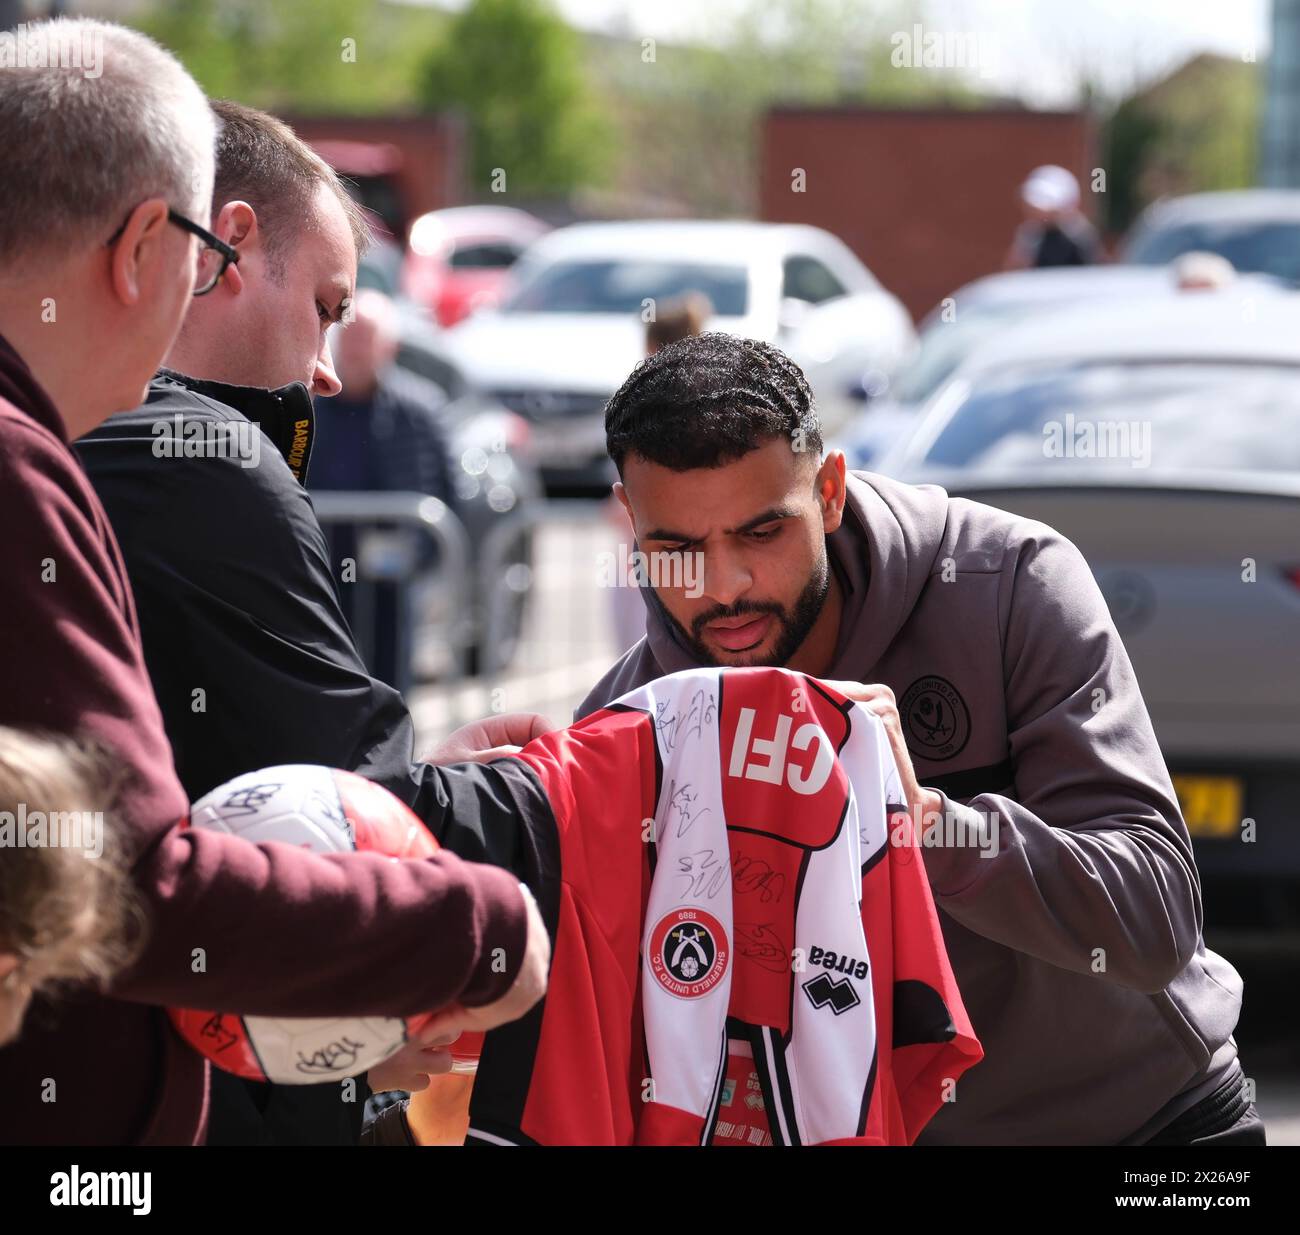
(389, 1127)
(503, 936)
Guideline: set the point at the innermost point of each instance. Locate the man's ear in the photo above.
(621, 493)
(236, 223)
(831, 490)
(140, 243)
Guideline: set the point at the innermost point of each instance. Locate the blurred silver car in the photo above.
(1257, 230)
(1166, 445)
(987, 310)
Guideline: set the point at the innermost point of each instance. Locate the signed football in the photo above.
(326, 811)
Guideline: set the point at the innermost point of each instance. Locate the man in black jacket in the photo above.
(251, 658)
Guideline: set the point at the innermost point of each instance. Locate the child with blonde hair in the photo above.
(66, 913)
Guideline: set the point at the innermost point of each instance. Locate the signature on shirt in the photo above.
(757, 942)
(679, 727)
(683, 802)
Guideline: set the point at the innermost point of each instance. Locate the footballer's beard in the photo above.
(794, 624)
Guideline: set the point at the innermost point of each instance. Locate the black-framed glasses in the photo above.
(203, 284)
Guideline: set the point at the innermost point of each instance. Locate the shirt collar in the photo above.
(286, 414)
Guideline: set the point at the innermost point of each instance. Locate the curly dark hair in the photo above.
(708, 400)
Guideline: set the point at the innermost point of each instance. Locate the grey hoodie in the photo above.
(1072, 912)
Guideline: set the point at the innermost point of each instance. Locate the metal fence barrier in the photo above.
(401, 564)
(432, 600)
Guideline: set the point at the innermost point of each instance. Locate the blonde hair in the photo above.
(66, 903)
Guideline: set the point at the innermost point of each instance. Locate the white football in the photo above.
(326, 811)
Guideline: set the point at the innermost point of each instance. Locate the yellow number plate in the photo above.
(1212, 805)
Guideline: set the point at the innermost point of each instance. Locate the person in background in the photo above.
(1055, 231)
(1199, 271)
(67, 912)
(679, 318)
(382, 432)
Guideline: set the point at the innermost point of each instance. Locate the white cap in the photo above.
(1050, 188)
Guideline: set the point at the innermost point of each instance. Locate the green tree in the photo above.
(516, 71)
(1129, 138)
(1212, 123)
(1192, 131)
(332, 56)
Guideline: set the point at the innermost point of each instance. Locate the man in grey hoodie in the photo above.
(1055, 849)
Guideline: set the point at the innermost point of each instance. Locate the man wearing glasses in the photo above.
(83, 326)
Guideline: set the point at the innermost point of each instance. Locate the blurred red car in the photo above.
(458, 259)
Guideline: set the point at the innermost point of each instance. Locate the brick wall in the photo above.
(928, 199)
(432, 150)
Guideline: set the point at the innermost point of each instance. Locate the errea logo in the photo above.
(121, 1188)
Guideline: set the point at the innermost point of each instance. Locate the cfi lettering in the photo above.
(841, 964)
(769, 763)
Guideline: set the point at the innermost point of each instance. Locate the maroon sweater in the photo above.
(285, 932)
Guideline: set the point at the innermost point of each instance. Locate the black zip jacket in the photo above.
(254, 665)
